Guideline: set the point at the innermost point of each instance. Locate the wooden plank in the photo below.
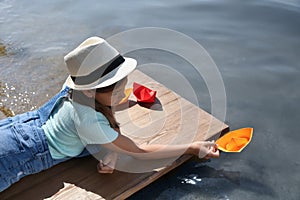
(171, 120)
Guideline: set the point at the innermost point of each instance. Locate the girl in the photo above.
(78, 116)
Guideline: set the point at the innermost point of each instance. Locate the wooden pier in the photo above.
(170, 120)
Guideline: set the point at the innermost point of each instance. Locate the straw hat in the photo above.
(96, 64)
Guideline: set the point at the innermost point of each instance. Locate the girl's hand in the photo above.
(206, 149)
(108, 164)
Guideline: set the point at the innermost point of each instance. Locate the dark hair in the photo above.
(82, 99)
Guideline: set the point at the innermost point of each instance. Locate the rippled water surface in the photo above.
(255, 44)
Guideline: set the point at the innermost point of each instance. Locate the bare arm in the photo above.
(125, 145)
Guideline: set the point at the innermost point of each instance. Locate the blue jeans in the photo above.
(23, 144)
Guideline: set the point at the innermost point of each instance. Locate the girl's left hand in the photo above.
(107, 165)
(206, 149)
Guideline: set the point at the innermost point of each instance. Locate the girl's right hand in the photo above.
(206, 149)
(107, 165)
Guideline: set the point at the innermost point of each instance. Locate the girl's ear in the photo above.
(89, 93)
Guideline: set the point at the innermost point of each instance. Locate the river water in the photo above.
(255, 44)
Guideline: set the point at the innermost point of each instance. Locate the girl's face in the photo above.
(113, 97)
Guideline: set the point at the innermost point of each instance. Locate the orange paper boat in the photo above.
(127, 93)
(235, 141)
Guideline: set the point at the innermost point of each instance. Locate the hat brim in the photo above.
(128, 66)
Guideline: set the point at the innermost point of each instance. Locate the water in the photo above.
(255, 44)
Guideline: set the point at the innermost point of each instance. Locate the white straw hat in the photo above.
(96, 64)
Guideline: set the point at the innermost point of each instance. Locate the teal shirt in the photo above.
(71, 126)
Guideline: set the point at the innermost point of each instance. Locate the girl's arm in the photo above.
(125, 145)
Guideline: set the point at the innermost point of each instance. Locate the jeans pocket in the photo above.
(39, 162)
(11, 142)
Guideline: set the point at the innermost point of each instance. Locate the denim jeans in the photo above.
(23, 144)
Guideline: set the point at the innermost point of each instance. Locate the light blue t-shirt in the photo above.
(72, 126)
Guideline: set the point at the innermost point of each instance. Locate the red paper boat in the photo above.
(143, 94)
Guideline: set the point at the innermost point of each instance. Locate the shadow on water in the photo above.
(237, 178)
(204, 181)
(205, 171)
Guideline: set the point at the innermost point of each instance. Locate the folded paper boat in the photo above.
(235, 141)
(127, 93)
(143, 94)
